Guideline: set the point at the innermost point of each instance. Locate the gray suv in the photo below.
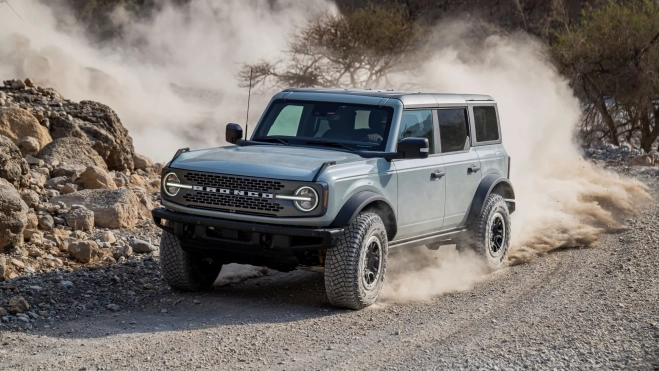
(335, 178)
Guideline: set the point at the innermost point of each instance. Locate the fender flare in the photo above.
(484, 189)
(356, 204)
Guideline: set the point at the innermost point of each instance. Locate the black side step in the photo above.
(428, 239)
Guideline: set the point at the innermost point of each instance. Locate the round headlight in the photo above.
(311, 199)
(167, 184)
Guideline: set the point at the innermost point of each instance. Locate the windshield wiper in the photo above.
(270, 140)
(330, 144)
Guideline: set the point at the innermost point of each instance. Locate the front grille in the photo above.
(232, 202)
(230, 182)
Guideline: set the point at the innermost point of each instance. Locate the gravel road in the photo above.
(573, 309)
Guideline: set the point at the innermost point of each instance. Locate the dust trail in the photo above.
(170, 79)
(562, 199)
(419, 274)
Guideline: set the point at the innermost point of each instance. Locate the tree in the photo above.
(612, 57)
(358, 49)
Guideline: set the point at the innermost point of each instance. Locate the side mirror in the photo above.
(233, 133)
(410, 148)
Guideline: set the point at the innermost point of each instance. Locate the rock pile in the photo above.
(72, 188)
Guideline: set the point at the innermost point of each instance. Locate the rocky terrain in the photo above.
(74, 195)
(80, 286)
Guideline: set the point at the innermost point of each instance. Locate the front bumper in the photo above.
(221, 234)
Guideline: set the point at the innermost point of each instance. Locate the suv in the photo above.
(335, 178)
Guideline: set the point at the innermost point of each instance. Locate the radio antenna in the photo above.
(12, 8)
(249, 97)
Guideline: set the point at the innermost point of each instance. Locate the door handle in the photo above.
(437, 174)
(473, 169)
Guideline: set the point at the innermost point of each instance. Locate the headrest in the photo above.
(375, 119)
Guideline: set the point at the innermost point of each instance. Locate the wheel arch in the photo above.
(367, 201)
(491, 184)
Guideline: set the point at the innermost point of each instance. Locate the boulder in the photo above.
(29, 145)
(142, 162)
(18, 304)
(83, 251)
(100, 126)
(80, 219)
(95, 177)
(70, 151)
(13, 216)
(39, 176)
(18, 85)
(46, 222)
(113, 208)
(141, 246)
(68, 170)
(16, 123)
(108, 236)
(13, 167)
(31, 160)
(69, 188)
(30, 197)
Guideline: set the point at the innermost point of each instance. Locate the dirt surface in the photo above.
(576, 308)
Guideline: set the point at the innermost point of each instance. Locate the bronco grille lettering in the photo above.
(234, 192)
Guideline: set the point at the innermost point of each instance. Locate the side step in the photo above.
(427, 239)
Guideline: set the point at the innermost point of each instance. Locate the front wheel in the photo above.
(183, 270)
(490, 234)
(355, 268)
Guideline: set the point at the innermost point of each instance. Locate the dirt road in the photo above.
(588, 308)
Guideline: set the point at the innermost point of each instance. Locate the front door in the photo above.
(421, 182)
(463, 172)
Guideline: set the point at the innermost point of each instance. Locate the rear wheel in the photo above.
(182, 270)
(490, 234)
(355, 268)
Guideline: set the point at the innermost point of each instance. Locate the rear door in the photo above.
(487, 138)
(463, 168)
(421, 182)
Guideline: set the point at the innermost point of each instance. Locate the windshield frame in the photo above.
(333, 143)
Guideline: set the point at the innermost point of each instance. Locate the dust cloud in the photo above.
(562, 200)
(419, 274)
(172, 81)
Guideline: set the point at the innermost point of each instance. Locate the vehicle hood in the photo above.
(265, 161)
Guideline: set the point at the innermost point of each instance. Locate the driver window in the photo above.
(287, 121)
(417, 124)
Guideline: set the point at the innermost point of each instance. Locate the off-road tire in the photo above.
(345, 265)
(495, 212)
(182, 270)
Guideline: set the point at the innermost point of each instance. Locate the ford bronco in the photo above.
(335, 178)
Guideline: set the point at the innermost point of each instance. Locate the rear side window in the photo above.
(453, 129)
(417, 124)
(487, 126)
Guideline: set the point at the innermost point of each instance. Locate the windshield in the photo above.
(340, 125)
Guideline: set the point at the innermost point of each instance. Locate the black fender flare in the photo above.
(356, 204)
(484, 189)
